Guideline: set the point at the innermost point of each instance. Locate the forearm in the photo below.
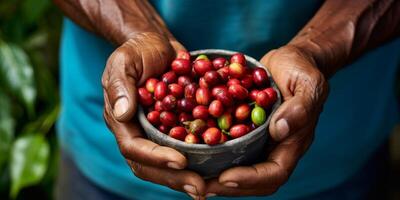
(117, 21)
(342, 30)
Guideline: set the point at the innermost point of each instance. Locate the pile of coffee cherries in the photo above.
(208, 101)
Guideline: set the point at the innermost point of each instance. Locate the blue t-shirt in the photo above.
(357, 117)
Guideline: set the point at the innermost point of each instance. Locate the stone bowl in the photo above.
(210, 161)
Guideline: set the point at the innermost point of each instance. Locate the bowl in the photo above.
(210, 161)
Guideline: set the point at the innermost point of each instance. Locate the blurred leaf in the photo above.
(7, 124)
(29, 160)
(36, 40)
(34, 9)
(17, 74)
(43, 123)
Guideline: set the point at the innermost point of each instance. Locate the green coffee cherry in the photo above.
(258, 116)
(202, 56)
(225, 121)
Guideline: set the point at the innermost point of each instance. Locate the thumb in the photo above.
(291, 116)
(120, 89)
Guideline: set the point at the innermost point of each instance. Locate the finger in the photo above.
(214, 188)
(303, 88)
(293, 114)
(141, 57)
(134, 147)
(119, 88)
(180, 180)
(278, 167)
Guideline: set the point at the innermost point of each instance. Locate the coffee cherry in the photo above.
(202, 57)
(219, 63)
(260, 77)
(212, 78)
(190, 91)
(186, 105)
(169, 102)
(238, 58)
(182, 54)
(176, 90)
(184, 117)
(145, 97)
(203, 83)
(218, 88)
(200, 112)
(242, 112)
(169, 77)
(232, 82)
(167, 118)
(224, 73)
(224, 97)
(197, 126)
(238, 92)
(258, 116)
(192, 139)
(158, 106)
(263, 99)
(273, 96)
(236, 70)
(184, 81)
(163, 129)
(193, 74)
(212, 136)
(223, 139)
(160, 90)
(216, 108)
(203, 96)
(202, 66)
(151, 84)
(247, 81)
(253, 94)
(225, 121)
(154, 117)
(238, 130)
(181, 66)
(178, 132)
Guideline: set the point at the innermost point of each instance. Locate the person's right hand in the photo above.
(141, 57)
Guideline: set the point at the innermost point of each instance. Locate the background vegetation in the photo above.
(29, 102)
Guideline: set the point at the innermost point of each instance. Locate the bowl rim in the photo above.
(230, 144)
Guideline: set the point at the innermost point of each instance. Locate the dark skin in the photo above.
(338, 33)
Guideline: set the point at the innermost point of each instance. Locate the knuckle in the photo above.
(104, 79)
(300, 109)
(125, 149)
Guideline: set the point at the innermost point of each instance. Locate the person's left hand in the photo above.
(304, 90)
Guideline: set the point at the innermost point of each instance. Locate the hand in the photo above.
(304, 90)
(146, 55)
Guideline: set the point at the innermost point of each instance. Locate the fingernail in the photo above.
(190, 189)
(121, 107)
(211, 195)
(231, 184)
(193, 196)
(173, 165)
(282, 127)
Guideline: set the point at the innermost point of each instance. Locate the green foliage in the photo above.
(29, 158)
(16, 74)
(29, 102)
